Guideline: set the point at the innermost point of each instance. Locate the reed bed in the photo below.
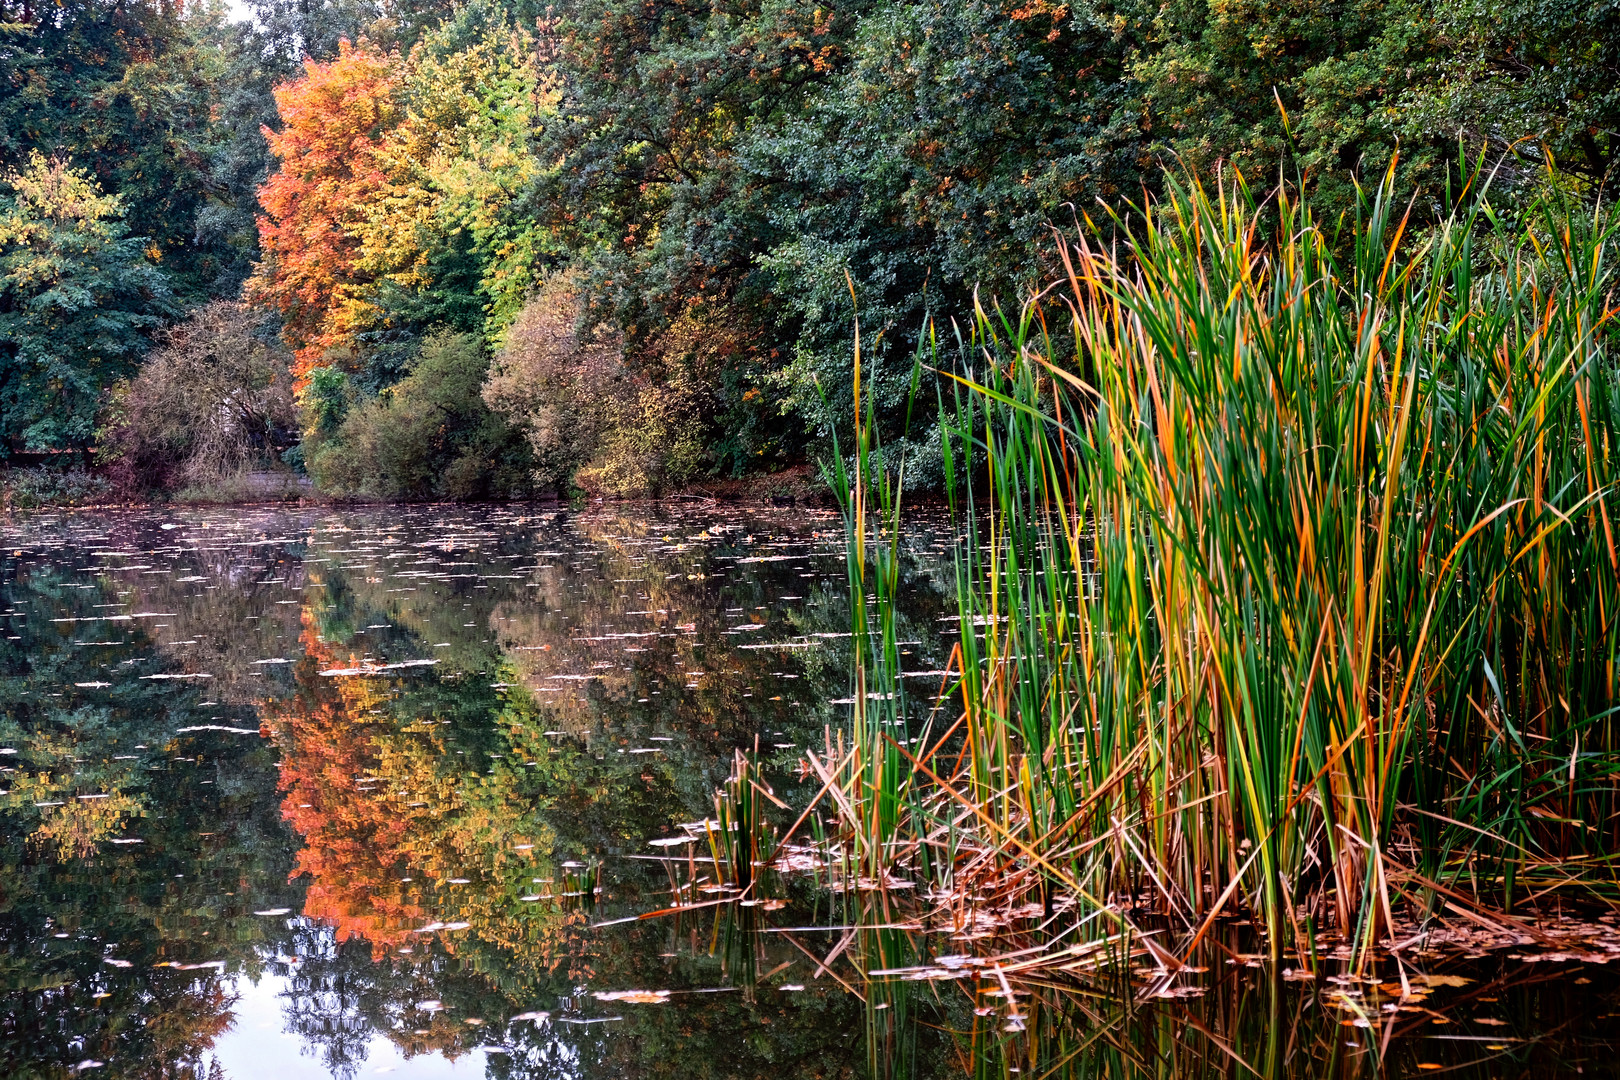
(1289, 592)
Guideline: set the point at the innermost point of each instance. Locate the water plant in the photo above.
(1288, 589)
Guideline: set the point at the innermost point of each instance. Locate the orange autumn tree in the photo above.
(333, 121)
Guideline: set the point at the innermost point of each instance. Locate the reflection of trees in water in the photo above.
(89, 930)
(354, 842)
(340, 997)
(1502, 1018)
(225, 574)
(332, 1007)
(440, 774)
(444, 739)
(406, 810)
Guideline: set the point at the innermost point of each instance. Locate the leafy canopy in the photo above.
(78, 295)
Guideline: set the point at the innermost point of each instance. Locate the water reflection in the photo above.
(395, 763)
(375, 789)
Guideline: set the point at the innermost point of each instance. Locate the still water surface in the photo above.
(379, 793)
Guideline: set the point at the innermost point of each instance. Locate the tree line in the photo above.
(495, 248)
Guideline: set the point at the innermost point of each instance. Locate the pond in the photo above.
(428, 791)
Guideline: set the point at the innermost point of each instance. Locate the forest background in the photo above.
(500, 249)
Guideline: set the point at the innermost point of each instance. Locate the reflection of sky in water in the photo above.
(259, 1048)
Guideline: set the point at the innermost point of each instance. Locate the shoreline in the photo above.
(796, 486)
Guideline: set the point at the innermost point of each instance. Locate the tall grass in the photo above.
(1290, 587)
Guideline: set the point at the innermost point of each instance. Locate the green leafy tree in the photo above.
(158, 102)
(78, 296)
(1292, 90)
(656, 194)
(447, 237)
(935, 166)
(1543, 76)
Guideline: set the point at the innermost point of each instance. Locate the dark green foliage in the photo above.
(77, 296)
(429, 436)
(1284, 88)
(160, 107)
(935, 166)
(43, 485)
(771, 159)
(1546, 73)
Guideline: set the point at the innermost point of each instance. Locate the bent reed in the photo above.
(1288, 591)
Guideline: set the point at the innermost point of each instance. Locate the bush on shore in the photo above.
(556, 385)
(596, 422)
(429, 436)
(213, 403)
(44, 485)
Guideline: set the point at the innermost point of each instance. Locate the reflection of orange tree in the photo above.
(354, 842)
(401, 825)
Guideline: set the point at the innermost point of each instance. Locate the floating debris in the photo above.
(634, 997)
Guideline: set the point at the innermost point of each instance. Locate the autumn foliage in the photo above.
(333, 122)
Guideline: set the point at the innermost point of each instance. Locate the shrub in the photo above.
(47, 486)
(213, 401)
(430, 436)
(555, 385)
(679, 410)
(655, 438)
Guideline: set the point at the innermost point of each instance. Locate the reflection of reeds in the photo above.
(1290, 591)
